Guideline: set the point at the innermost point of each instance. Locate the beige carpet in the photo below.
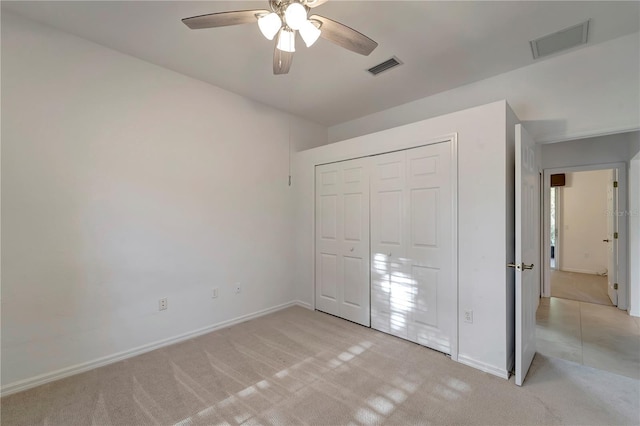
(302, 367)
(581, 287)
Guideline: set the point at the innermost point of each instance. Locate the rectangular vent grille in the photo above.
(561, 40)
(386, 65)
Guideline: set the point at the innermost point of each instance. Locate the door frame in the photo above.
(452, 139)
(623, 250)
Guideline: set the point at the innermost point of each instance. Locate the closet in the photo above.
(384, 243)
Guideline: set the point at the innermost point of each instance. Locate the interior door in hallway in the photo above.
(412, 293)
(527, 252)
(342, 240)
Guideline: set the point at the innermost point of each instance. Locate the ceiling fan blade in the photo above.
(344, 36)
(223, 19)
(315, 3)
(281, 61)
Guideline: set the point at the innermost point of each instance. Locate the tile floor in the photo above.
(598, 336)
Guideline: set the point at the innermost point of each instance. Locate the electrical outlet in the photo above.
(214, 293)
(468, 317)
(238, 288)
(163, 304)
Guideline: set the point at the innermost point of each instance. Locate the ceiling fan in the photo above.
(285, 18)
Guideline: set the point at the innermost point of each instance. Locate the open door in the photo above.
(527, 249)
(612, 238)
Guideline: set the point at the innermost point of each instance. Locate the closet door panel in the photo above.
(429, 245)
(411, 245)
(354, 299)
(390, 289)
(328, 223)
(342, 240)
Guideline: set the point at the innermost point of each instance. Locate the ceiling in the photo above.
(443, 45)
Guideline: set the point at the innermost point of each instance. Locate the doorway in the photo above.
(588, 237)
(582, 244)
(570, 325)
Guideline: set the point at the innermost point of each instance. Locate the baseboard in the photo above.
(580, 271)
(463, 359)
(110, 359)
(304, 304)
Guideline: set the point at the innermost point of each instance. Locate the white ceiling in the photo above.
(442, 44)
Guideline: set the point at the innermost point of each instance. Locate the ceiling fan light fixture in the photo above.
(269, 25)
(309, 33)
(287, 40)
(295, 15)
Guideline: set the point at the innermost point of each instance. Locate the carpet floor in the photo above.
(581, 287)
(302, 367)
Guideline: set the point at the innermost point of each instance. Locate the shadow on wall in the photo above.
(545, 129)
(634, 146)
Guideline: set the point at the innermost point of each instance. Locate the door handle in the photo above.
(351, 249)
(605, 241)
(520, 267)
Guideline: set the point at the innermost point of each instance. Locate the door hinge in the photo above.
(615, 183)
(615, 235)
(615, 286)
(289, 180)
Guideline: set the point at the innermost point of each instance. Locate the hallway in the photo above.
(597, 336)
(581, 287)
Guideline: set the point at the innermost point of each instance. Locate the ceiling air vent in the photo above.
(561, 40)
(386, 65)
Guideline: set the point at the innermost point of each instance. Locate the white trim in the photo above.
(500, 372)
(454, 343)
(623, 268)
(110, 359)
(305, 305)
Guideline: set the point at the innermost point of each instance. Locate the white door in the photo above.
(342, 240)
(390, 290)
(413, 293)
(527, 249)
(612, 241)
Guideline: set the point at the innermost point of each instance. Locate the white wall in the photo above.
(482, 221)
(583, 152)
(122, 183)
(583, 215)
(590, 91)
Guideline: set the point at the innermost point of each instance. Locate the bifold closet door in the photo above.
(342, 240)
(413, 295)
